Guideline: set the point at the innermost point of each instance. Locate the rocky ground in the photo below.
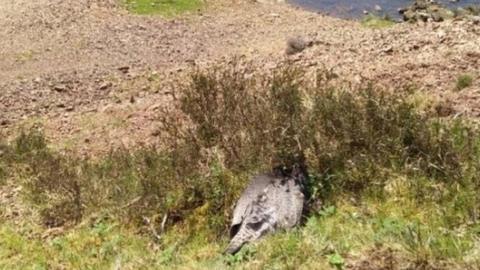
(95, 76)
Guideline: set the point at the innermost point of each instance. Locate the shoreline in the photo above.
(396, 13)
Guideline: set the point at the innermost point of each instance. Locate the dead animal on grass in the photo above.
(270, 202)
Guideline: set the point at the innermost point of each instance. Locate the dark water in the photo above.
(354, 8)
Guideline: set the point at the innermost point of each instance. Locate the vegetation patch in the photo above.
(385, 175)
(25, 56)
(374, 21)
(162, 7)
(463, 81)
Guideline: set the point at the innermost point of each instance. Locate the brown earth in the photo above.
(95, 76)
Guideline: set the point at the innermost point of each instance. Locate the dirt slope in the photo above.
(94, 76)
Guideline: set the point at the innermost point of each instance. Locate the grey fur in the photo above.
(270, 202)
(297, 44)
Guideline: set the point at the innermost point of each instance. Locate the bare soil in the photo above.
(95, 76)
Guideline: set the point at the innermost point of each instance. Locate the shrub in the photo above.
(53, 173)
(351, 138)
(248, 120)
(140, 187)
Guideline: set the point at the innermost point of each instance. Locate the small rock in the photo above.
(70, 108)
(107, 108)
(441, 34)
(155, 133)
(60, 88)
(105, 85)
(358, 79)
(475, 19)
(154, 107)
(437, 17)
(297, 58)
(124, 69)
(378, 8)
(4, 122)
(188, 61)
(388, 50)
(423, 16)
(295, 45)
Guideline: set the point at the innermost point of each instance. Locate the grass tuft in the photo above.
(463, 81)
(374, 21)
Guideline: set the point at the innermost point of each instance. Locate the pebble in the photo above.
(105, 86)
(388, 50)
(124, 69)
(4, 122)
(60, 88)
(475, 19)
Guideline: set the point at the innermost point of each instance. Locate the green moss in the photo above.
(166, 8)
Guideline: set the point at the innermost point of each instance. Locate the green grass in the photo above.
(166, 8)
(373, 21)
(25, 56)
(336, 236)
(463, 81)
(97, 246)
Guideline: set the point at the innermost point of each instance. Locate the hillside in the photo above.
(61, 61)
